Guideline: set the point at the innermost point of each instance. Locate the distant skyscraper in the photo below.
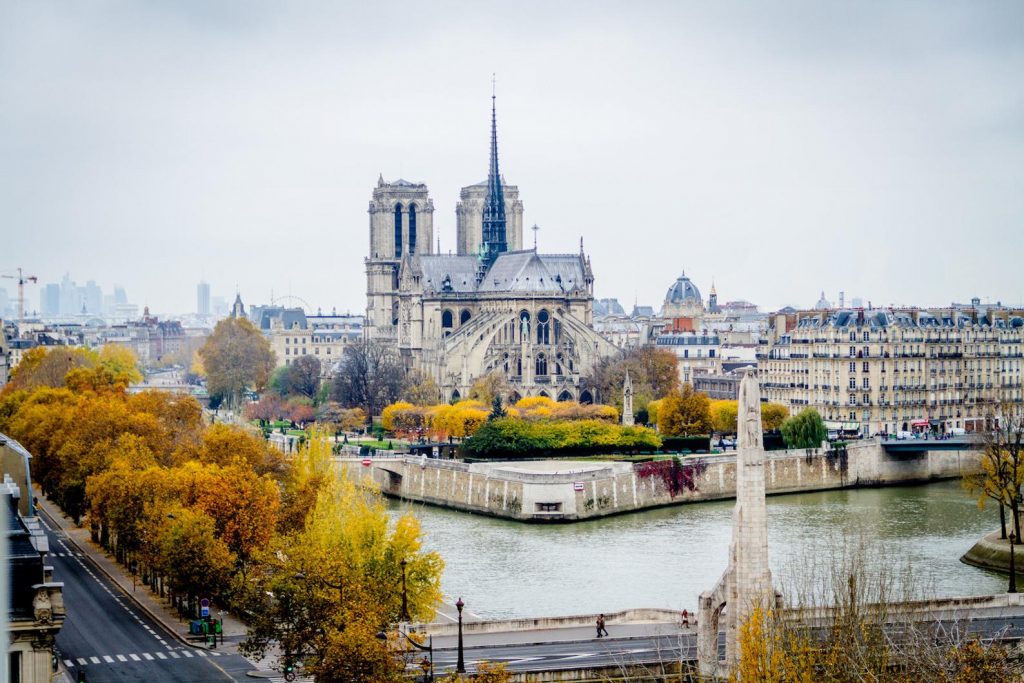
(203, 298)
(92, 298)
(120, 296)
(49, 301)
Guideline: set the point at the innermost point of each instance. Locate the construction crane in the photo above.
(22, 279)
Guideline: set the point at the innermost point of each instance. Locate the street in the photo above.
(109, 638)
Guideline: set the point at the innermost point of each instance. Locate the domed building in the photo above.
(683, 300)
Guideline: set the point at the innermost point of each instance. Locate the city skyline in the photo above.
(870, 151)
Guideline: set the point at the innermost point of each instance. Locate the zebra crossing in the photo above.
(139, 657)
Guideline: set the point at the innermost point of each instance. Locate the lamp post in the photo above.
(1013, 569)
(460, 666)
(404, 615)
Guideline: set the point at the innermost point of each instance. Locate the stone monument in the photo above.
(627, 401)
(747, 581)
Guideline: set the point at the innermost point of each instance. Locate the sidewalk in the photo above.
(160, 610)
(565, 634)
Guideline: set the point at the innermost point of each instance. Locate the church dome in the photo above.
(683, 291)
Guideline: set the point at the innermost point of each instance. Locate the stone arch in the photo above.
(464, 316)
(543, 393)
(543, 326)
(447, 321)
(456, 396)
(586, 396)
(541, 365)
(565, 396)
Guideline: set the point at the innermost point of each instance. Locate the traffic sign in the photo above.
(367, 462)
(577, 486)
(204, 607)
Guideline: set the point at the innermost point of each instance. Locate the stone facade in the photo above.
(492, 307)
(891, 370)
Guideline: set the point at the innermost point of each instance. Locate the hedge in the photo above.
(510, 438)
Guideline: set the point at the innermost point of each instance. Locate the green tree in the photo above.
(804, 430)
(236, 359)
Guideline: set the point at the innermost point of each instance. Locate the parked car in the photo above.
(958, 431)
(904, 435)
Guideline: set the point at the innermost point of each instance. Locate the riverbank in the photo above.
(571, 491)
(993, 553)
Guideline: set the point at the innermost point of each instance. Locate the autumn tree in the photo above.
(723, 416)
(48, 367)
(341, 419)
(773, 415)
(327, 589)
(421, 389)
(370, 377)
(302, 377)
(652, 371)
(1001, 474)
(270, 407)
(191, 557)
(485, 388)
(684, 412)
(236, 359)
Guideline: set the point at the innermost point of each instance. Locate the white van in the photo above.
(957, 431)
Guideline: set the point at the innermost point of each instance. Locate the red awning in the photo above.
(920, 423)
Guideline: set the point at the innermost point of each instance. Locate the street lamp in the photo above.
(404, 615)
(460, 666)
(1013, 569)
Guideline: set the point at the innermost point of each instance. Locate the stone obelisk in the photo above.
(747, 581)
(627, 401)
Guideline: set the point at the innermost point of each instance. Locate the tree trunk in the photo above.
(1002, 521)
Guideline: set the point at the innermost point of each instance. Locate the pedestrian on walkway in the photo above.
(686, 619)
(601, 630)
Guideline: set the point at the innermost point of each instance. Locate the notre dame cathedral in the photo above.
(491, 307)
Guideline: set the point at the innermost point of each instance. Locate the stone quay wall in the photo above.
(560, 491)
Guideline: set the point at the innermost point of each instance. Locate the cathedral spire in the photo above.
(494, 237)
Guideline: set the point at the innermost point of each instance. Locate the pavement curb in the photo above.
(89, 551)
(564, 642)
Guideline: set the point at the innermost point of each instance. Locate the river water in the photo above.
(666, 557)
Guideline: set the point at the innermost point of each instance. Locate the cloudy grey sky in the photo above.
(779, 148)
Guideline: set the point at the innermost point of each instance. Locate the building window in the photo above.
(464, 317)
(866, 336)
(543, 327)
(853, 366)
(867, 383)
(412, 228)
(853, 382)
(398, 230)
(865, 366)
(542, 364)
(447, 320)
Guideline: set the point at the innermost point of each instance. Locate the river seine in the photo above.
(666, 557)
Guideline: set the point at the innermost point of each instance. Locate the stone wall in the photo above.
(569, 491)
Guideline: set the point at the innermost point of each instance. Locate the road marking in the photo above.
(175, 654)
(108, 659)
(81, 661)
(122, 658)
(161, 655)
(135, 658)
(68, 663)
(148, 656)
(94, 660)
(187, 653)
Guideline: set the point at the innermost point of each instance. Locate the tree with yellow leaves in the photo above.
(684, 413)
(341, 572)
(236, 358)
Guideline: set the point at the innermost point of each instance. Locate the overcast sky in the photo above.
(780, 149)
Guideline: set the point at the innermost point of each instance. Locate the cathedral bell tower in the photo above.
(401, 225)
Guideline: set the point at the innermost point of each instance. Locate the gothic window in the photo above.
(586, 397)
(524, 326)
(565, 396)
(542, 364)
(447, 322)
(412, 228)
(558, 364)
(543, 327)
(398, 230)
(464, 317)
(558, 331)
(519, 366)
(394, 313)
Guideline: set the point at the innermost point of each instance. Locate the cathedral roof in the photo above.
(514, 271)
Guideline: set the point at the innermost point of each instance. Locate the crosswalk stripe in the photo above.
(135, 658)
(216, 654)
(161, 655)
(175, 654)
(81, 661)
(94, 660)
(108, 659)
(187, 653)
(68, 663)
(149, 657)
(122, 658)
(201, 653)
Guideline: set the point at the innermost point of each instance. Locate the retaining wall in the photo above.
(570, 491)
